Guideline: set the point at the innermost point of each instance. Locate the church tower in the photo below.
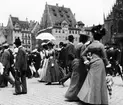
(114, 25)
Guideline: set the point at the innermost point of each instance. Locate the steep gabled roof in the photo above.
(22, 24)
(59, 14)
(14, 20)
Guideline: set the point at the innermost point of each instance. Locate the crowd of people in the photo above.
(87, 64)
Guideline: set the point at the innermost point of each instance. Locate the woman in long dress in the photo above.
(42, 70)
(53, 71)
(79, 71)
(94, 89)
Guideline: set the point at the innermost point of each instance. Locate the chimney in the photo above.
(57, 4)
(63, 6)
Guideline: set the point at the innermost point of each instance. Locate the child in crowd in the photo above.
(110, 83)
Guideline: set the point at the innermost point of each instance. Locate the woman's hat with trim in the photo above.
(50, 43)
(43, 44)
(98, 30)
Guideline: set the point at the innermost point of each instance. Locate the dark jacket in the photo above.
(5, 59)
(69, 50)
(21, 60)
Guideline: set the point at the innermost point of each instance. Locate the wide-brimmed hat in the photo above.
(42, 44)
(98, 30)
(50, 43)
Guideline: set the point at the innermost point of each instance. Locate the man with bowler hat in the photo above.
(20, 69)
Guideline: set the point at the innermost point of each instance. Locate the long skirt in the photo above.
(78, 76)
(94, 89)
(53, 73)
(42, 71)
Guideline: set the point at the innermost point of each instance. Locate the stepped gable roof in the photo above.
(59, 14)
(22, 24)
(32, 25)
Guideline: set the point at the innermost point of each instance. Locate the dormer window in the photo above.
(55, 14)
(68, 16)
(17, 26)
(60, 11)
(64, 24)
(53, 9)
(61, 15)
(65, 11)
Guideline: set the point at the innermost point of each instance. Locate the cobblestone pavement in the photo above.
(41, 94)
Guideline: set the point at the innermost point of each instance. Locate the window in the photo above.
(61, 15)
(60, 11)
(73, 32)
(68, 16)
(56, 30)
(63, 31)
(25, 35)
(53, 9)
(76, 32)
(59, 31)
(65, 11)
(22, 35)
(70, 31)
(55, 14)
(28, 42)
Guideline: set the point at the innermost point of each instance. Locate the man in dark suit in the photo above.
(5, 60)
(69, 50)
(21, 68)
(61, 55)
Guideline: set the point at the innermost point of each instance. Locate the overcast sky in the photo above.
(88, 11)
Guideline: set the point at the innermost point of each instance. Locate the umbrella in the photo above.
(46, 36)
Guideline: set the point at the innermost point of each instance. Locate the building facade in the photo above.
(2, 34)
(60, 22)
(114, 25)
(22, 29)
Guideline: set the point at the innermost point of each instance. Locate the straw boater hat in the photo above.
(43, 44)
